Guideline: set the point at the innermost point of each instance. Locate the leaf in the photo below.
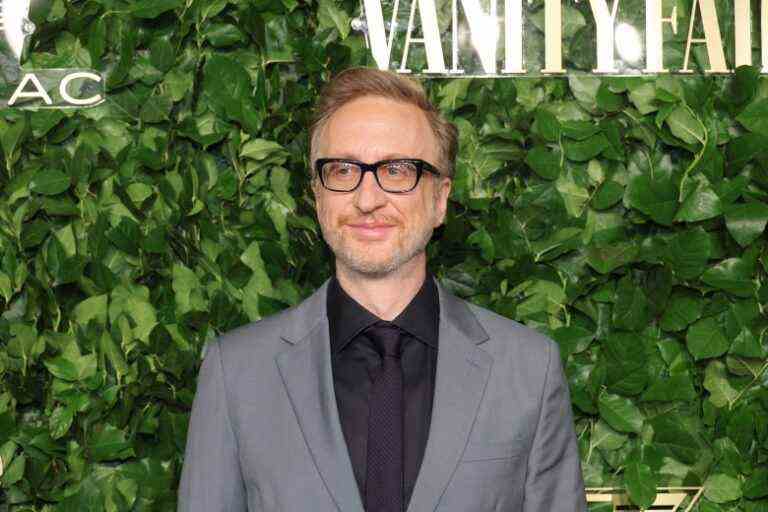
(109, 443)
(606, 259)
(50, 182)
(133, 302)
(126, 236)
(226, 84)
(453, 93)
(604, 437)
(574, 195)
(700, 202)
(25, 344)
(655, 197)
(186, 287)
(583, 87)
(91, 308)
(756, 485)
(673, 436)
(641, 483)
(620, 413)
(746, 222)
(572, 339)
(716, 381)
(544, 161)
(11, 135)
(608, 194)
(156, 109)
(259, 149)
(705, 339)
(162, 54)
(747, 344)
(688, 252)
(71, 365)
(675, 387)
(6, 287)
(114, 354)
(60, 421)
(482, 239)
(579, 130)
(330, 15)
(722, 488)
(15, 471)
(546, 125)
(733, 275)
(684, 125)
(153, 8)
(627, 361)
(583, 150)
(607, 100)
(631, 310)
(755, 117)
(682, 310)
(643, 96)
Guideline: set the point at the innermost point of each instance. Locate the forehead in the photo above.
(373, 128)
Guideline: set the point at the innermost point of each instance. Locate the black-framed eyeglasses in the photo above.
(398, 175)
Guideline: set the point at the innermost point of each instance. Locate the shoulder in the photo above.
(255, 341)
(510, 339)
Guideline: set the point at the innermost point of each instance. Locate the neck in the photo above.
(385, 296)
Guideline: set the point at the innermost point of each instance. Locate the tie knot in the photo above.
(386, 337)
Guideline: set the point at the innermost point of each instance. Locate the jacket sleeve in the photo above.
(211, 479)
(554, 481)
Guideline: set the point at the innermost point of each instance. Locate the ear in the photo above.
(314, 183)
(442, 193)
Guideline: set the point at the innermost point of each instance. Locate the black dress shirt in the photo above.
(354, 360)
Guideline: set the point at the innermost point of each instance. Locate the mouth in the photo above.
(371, 231)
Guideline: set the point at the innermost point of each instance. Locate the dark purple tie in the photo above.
(384, 465)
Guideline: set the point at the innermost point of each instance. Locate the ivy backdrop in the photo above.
(622, 217)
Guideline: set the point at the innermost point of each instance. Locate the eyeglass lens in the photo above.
(393, 176)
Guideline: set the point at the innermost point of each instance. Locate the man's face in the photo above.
(370, 129)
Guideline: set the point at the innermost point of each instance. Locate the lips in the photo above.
(371, 226)
(371, 231)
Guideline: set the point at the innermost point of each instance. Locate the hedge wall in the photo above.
(624, 217)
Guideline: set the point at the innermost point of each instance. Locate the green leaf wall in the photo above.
(623, 217)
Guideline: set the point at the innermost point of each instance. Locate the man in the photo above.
(382, 391)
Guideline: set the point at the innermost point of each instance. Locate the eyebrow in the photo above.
(386, 157)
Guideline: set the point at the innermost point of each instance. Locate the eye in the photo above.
(340, 170)
(400, 169)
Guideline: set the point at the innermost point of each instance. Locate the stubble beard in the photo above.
(366, 261)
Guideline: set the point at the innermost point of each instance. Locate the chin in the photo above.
(372, 262)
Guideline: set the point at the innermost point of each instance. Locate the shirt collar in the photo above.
(347, 317)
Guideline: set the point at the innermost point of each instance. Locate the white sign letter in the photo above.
(40, 93)
(654, 38)
(742, 29)
(712, 37)
(764, 34)
(380, 49)
(513, 36)
(553, 37)
(75, 101)
(605, 26)
(484, 33)
(431, 39)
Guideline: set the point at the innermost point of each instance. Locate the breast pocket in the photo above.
(490, 450)
(489, 477)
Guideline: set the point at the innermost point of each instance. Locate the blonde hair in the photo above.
(356, 82)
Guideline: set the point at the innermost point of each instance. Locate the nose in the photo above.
(369, 196)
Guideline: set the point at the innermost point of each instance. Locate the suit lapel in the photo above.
(462, 373)
(306, 371)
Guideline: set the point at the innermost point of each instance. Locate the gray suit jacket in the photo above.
(265, 435)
